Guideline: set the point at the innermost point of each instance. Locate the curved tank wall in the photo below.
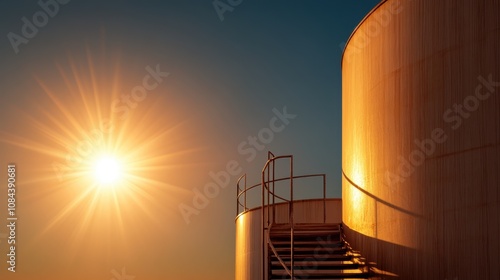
(420, 138)
(249, 231)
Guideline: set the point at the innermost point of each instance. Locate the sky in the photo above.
(187, 96)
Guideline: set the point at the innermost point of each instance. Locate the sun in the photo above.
(107, 170)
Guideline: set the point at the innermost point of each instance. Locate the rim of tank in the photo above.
(358, 26)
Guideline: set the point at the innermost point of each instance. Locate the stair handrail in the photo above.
(242, 191)
(272, 159)
(276, 252)
(239, 192)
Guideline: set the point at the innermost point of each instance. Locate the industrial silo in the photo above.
(421, 135)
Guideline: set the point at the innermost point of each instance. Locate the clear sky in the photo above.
(174, 90)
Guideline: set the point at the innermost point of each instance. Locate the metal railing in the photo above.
(268, 202)
(270, 179)
(273, 249)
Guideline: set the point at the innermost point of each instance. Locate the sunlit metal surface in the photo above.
(421, 135)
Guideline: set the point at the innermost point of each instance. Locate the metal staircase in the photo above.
(320, 252)
(299, 250)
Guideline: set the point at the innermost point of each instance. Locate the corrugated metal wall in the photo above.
(421, 138)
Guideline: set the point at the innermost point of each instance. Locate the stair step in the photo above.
(313, 251)
(316, 265)
(311, 229)
(307, 243)
(334, 274)
(325, 231)
(306, 236)
(312, 239)
(323, 258)
(316, 262)
(308, 225)
(319, 253)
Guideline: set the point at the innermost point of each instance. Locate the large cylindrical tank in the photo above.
(421, 138)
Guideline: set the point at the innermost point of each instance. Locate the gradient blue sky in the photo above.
(225, 79)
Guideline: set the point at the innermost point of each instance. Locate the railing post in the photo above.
(245, 206)
(237, 198)
(324, 198)
(268, 195)
(270, 156)
(263, 231)
(291, 221)
(274, 196)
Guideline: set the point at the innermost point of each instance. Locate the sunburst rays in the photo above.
(75, 124)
